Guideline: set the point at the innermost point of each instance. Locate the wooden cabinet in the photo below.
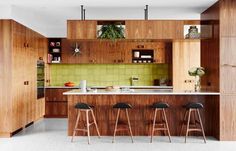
(106, 52)
(134, 29)
(154, 29)
(186, 54)
(56, 102)
(20, 54)
(93, 52)
(81, 29)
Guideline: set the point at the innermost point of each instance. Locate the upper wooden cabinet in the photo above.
(134, 29)
(186, 54)
(154, 29)
(81, 29)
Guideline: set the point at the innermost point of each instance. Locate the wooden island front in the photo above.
(141, 114)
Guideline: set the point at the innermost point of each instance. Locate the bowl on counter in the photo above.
(69, 84)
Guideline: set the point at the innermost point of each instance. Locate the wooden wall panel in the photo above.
(220, 62)
(210, 59)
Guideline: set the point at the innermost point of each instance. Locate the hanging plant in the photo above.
(111, 31)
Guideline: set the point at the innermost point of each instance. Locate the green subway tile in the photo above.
(107, 74)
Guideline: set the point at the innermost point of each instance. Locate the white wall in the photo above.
(5, 12)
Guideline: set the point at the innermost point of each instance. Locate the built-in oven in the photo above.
(40, 78)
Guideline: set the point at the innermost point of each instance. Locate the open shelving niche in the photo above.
(54, 50)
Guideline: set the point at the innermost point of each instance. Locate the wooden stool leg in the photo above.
(117, 119)
(182, 126)
(76, 125)
(203, 133)
(95, 122)
(189, 115)
(166, 123)
(87, 123)
(153, 125)
(130, 130)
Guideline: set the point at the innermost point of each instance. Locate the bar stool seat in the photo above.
(160, 105)
(164, 123)
(194, 108)
(83, 107)
(193, 105)
(122, 107)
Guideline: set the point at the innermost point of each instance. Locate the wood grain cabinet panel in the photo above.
(56, 103)
(186, 54)
(228, 51)
(154, 29)
(228, 17)
(227, 78)
(80, 29)
(135, 29)
(22, 48)
(227, 117)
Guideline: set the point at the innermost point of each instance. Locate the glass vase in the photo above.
(197, 84)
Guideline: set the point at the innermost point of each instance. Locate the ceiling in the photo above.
(49, 16)
(111, 3)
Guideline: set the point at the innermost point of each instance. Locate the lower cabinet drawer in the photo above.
(56, 109)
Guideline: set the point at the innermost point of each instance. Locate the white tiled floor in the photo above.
(51, 135)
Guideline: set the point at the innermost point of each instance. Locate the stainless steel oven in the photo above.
(40, 79)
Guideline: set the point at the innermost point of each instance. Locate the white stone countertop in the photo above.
(103, 87)
(140, 92)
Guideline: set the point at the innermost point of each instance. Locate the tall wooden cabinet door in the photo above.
(19, 105)
(135, 29)
(186, 54)
(31, 74)
(81, 29)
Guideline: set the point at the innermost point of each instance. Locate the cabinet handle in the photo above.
(229, 65)
(26, 82)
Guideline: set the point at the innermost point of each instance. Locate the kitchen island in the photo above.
(141, 114)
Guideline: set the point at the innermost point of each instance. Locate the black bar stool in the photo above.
(194, 126)
(163, 124)
(82, 107)
(122, 107)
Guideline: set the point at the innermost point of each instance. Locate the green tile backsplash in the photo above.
(107, 74)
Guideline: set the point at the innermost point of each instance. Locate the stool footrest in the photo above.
(78, 129)
(122, 129)
(194, 129)
(160, 129)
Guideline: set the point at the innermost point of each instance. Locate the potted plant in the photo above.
(197, 72)
(111, 31)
